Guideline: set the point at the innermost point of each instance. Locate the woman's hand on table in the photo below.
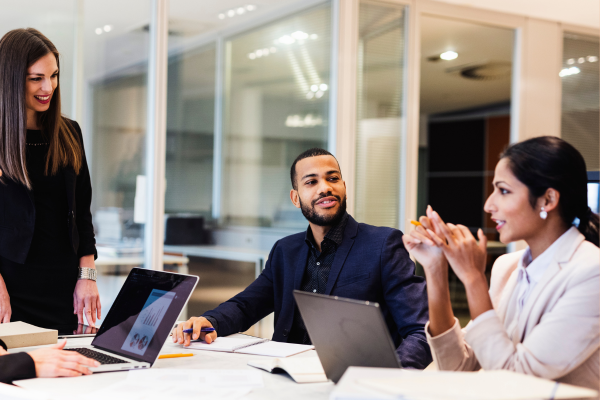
(53, 361)
(5, 310)
(195, 323)
(86, 298)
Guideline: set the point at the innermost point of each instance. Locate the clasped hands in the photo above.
(435, 243)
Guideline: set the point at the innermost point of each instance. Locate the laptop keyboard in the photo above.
(100, 357)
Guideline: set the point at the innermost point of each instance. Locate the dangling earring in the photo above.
(543, 214)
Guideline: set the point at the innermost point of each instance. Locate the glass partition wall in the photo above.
(380, 109)
(580, 122)
(275, 105)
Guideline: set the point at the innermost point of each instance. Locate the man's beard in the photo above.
(311, 215)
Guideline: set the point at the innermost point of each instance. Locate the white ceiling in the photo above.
(443, 91)
(576, 12)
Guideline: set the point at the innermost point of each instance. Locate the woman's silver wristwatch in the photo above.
(87, 273)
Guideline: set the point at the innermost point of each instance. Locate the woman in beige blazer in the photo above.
(541, 315)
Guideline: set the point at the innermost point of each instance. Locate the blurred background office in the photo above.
(193, 111)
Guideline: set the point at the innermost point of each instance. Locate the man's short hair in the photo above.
(314, 152)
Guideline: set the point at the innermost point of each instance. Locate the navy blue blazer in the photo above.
(370, 264)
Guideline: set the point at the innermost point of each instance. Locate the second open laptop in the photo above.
(139, 321)
(346, 333)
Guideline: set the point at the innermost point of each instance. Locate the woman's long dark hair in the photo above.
(549, 162)
(19, 49)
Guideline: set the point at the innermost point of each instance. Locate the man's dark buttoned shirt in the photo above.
(317, 271)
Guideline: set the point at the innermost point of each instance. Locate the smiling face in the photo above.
(41, 81)
(321, 192)
(510, 208)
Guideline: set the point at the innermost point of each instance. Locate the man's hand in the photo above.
(86, 298)
(54, 361)
(196, 323)
(5, 310)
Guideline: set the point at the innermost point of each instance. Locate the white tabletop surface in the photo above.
(276, 386)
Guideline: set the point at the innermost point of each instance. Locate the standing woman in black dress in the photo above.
(47, 245)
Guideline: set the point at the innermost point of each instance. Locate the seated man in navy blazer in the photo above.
(335, 256)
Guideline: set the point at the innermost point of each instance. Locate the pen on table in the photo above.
(175, 355)
(415, 223)
(201, 330)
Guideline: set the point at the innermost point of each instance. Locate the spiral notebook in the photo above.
(251, 345)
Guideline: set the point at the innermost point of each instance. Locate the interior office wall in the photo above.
(580, 96)
(190, 131)
(57, 21)
(115, 51)
(380, 92)
(275, 106)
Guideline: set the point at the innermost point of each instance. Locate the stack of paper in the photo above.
(21, 334)
(251, 345)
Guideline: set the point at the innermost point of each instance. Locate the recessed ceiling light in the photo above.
(98, 31)
(240, 10)
(449, 55)
(230, 13)
(300, 35)
(592, 58)
(221, 16)
(581, 60)
(323, 87)
(107, 28)
(250, 7)
(287, 39)
(571, 61)
(569, 71)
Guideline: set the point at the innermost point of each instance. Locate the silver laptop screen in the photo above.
(141, 318)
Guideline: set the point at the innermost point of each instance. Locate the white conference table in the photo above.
(276, 386)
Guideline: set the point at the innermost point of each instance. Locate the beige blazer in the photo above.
(558, 329)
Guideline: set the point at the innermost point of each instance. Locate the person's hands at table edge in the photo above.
(86, 297)
(195, 323)
(53, 361)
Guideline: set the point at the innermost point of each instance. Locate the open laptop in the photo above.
(346, 333)
(139, 321)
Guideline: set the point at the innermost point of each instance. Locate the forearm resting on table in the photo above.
(441, 317)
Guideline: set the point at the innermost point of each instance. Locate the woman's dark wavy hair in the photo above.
(549, 162)
(19, 49)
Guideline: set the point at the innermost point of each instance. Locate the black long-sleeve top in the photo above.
(50, 241)
(16, 366)
(18, 212)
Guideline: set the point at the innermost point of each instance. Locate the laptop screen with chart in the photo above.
(143, 314)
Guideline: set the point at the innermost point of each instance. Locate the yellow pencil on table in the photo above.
(175, 355)
(415, 223)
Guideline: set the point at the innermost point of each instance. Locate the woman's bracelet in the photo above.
(87, 273)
